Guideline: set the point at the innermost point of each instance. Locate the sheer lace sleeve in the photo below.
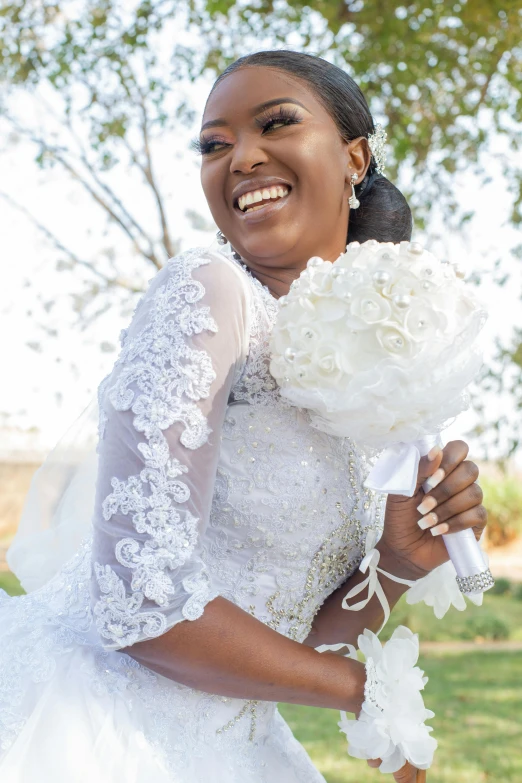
(162, 409)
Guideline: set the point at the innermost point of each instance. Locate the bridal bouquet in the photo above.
(379, 344)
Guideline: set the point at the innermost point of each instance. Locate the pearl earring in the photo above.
(221, 238)
(353, 201)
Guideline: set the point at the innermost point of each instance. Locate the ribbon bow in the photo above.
(370, 563)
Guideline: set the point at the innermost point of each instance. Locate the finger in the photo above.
(476, 518)
(453, 454)
(406, 774)
(435, 510)
(421, 776)
(429, 464)
(374, 763)
(465, 474)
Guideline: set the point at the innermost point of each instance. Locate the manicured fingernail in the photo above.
(440, 529)
(428, 504)
(434, 480)
(428, 521)
(434, 453)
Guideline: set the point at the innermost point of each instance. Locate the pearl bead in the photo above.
(339, 272)
(402, 301)
(426, 285)
(315, 261)
(381, 277)
(289, 355)
(415, 248)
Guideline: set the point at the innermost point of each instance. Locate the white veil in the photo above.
(59, 506)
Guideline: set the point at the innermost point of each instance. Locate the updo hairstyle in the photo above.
(384, 213)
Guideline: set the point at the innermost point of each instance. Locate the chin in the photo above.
(266, 248)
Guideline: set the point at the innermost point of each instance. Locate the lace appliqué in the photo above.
(160, 379)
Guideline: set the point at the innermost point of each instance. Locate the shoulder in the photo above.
(213, 275)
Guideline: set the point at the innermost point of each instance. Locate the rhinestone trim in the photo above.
(372, 681)
(478, 583)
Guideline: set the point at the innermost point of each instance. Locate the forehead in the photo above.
(252, 85)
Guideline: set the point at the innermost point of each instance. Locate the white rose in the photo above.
(394, 340)
(422, 322)
(368, 305)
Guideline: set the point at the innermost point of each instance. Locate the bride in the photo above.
(226, 530)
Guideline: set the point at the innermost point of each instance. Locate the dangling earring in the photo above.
(221, 238)
(353, 201)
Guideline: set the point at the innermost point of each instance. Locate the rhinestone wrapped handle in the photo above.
(473, 574)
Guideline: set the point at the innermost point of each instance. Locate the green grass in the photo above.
(10, 583)
(500, 617)
(476, 699)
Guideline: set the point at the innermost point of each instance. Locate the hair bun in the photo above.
(383, 215)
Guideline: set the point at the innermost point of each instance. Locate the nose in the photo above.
(247, 154)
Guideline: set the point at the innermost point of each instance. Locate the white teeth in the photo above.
(254, 196)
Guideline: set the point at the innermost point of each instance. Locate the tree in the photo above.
(444, 79)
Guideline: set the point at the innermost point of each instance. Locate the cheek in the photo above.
(213, 188)
(319, 166)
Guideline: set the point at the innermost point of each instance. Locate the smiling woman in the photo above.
(282, 118)
(226, 530)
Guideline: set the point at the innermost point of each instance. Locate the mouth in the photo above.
(260, 210)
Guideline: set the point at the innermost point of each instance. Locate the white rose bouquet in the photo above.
(380, 346)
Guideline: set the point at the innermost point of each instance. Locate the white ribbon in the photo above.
(395, 471)
(370, 563)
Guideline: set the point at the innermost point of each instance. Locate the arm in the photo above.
(229, 652)
(163, 410)
(333, 624)
(410, 547)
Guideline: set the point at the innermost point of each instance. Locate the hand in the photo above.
(406, 774)
(454, 503)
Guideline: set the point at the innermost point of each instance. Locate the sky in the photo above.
(45, 388)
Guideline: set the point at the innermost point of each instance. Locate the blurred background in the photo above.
(99, 102)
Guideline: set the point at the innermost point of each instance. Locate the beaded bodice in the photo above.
(209, 483)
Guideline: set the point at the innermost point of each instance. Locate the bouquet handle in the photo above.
(395, 472)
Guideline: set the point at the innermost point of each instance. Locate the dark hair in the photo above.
(384, 213)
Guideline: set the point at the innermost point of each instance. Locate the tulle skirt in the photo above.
(71, 712)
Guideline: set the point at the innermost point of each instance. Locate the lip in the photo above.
(265, 212)
(256, 183)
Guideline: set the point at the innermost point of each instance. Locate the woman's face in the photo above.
(292, 144)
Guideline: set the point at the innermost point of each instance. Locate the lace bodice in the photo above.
(209, 482)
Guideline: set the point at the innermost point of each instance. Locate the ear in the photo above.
(358, 157)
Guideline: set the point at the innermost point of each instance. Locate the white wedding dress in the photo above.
(209, 484)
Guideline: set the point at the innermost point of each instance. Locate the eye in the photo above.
(281, 117)
(205, 146)
(266, 122)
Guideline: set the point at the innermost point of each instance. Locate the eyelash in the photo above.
(288, 116)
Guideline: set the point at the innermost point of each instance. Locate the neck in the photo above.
(278, 281)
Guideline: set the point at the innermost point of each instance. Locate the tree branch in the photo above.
(148, 172)
(109, 282)
(57, 154)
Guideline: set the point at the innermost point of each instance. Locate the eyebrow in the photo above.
(261, 107)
